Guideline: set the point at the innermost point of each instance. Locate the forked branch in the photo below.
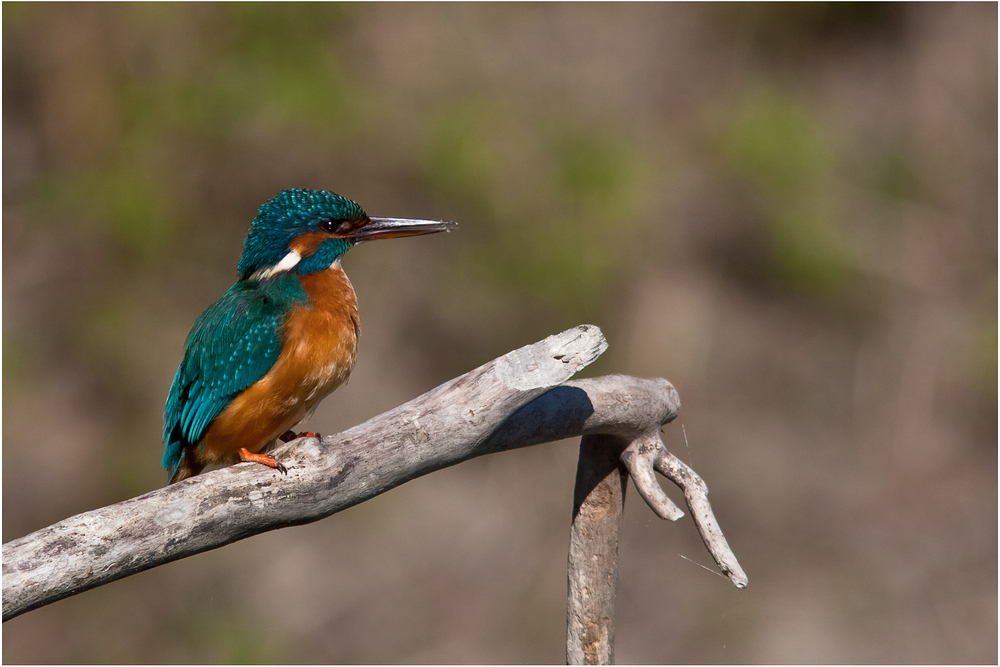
(607, 457)
(515, 401)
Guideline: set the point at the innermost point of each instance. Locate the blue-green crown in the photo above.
(289, 215)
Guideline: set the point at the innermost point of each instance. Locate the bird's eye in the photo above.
(335, 226)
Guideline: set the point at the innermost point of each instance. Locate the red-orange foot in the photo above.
(288, 436)
(250, 457)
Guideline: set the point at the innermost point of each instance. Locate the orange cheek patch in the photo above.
(308, 244)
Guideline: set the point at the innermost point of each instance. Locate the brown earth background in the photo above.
(789, 211)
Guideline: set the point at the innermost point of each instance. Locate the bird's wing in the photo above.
(233, 344)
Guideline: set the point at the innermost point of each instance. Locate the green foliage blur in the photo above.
(787, 210)
(784, 150)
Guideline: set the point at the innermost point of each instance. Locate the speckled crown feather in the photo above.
(290, 214)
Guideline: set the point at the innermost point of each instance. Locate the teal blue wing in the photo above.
(233, 344)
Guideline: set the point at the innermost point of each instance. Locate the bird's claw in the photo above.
(249, 457)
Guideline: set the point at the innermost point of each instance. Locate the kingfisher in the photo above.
(262, 357)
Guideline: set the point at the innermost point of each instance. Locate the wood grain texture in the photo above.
(445, 426)
(592, 565)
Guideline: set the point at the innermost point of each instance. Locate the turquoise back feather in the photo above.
(233, 344)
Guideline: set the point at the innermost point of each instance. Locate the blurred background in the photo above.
(789, 211)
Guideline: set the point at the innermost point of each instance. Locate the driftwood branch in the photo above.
(520, 399)
(592, 566)
(608, 456)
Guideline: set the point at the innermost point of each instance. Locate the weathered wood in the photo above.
(508, 403)
(630, 448)
(440, 428)
(592, 565)
(647, 453)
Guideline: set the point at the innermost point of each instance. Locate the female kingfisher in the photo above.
(280, 340)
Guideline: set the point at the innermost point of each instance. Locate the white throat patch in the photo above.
(287, 262)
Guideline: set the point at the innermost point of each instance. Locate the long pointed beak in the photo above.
(391, 228)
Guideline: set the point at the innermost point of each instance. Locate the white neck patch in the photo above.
(287, 262)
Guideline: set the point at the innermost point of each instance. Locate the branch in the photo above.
(592, 565)
(505, 404)
(445, 426)
(608, 454)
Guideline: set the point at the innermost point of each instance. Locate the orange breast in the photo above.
(319, 347)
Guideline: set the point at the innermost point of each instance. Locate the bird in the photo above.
(261, 358)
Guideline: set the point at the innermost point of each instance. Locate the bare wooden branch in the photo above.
(696, 495)
(445, 426)
(592, 565)
(633, 448)
(640, 459)
(508, 403)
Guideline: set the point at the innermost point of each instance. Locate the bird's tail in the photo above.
(186, 467)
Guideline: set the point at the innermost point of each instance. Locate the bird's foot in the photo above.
(288, 436)
(249, 457)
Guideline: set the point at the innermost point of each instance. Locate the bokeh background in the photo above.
(789, 211)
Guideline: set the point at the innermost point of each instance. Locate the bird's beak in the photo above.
(391, 228)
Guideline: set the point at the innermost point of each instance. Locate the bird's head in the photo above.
(308, 230)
